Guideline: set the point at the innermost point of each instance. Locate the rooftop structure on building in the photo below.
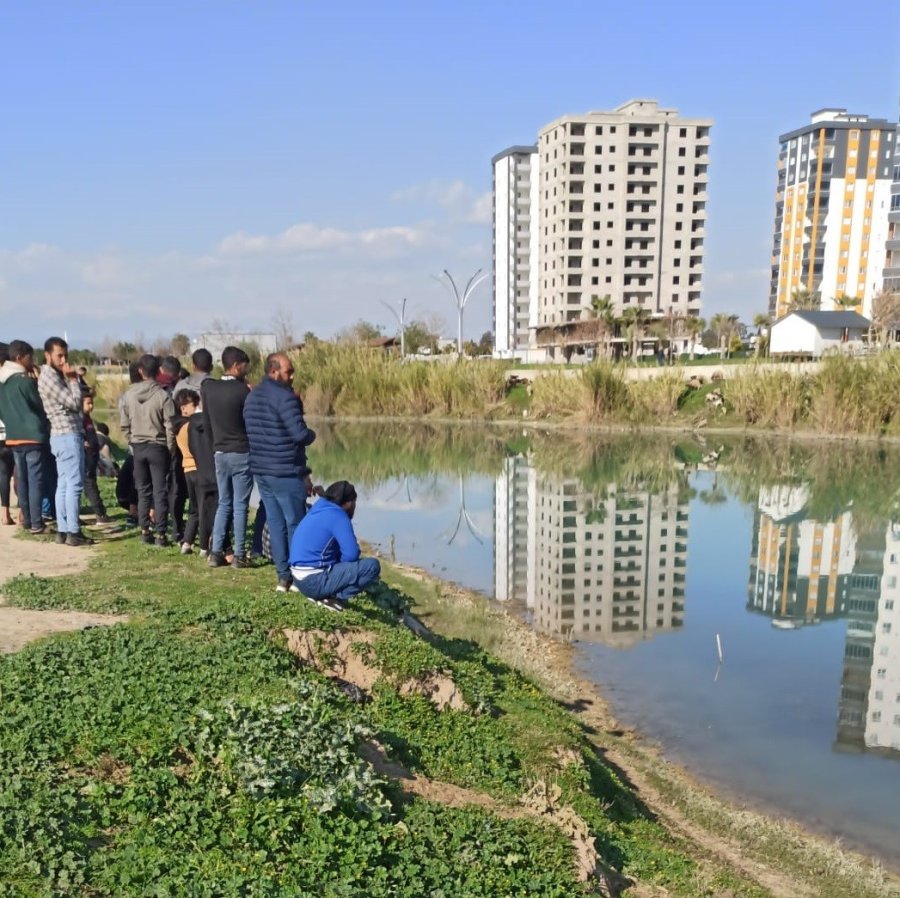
(831, 211)
(607, 205)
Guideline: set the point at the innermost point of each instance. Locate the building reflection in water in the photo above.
(799, 568)
(603, 565)
(804, 571)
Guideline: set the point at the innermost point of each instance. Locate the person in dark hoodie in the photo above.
(325, 558)
(278, 438)
(92, 460)
(27, 430)
(7, 462)
(200, 446)
(146, 415)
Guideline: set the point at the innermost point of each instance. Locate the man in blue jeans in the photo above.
(325, 558)
(222, 404)
(278, 437)
(60, 393)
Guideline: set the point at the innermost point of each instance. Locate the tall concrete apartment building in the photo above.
(516, 219)
(831, 210)
(892, 262)
(607, 567)
(619, 211)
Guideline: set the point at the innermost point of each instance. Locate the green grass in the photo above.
(186, 751)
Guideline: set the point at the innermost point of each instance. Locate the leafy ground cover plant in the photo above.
(189, 752)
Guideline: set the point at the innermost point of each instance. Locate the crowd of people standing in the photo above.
(196, 446)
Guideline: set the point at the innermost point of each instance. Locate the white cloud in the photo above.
(310, 238)
(460, 201)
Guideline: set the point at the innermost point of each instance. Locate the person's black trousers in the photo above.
(151, 469)
(91, 492)
(178, 497)
(203, 499)
(7, 465)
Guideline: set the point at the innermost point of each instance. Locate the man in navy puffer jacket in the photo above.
(278, 437)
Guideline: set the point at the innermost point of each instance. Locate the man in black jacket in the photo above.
(278, 437)
(223, 415)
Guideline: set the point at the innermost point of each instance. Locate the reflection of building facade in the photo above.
(862, 618)
(803, 570)
(869, 715)
(514, 494)
(607, 567)
(799, 568)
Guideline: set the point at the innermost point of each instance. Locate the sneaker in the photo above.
(286, 586)
(78, 540)
(146, 537)
(240, 561)
(216, 560)
(103, 519)
(333, 604)
(162, 541)
(204, 553)
(37, 531)
(60, 537)
(187, 549)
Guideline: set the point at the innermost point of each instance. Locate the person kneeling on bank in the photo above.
(325, 560)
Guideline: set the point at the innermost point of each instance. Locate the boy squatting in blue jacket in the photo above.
(325, 559)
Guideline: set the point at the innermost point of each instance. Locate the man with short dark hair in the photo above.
(146, 414)
(27, 430)
(222, 403)
(60, 393)
(169, 373)
(325, 557)
(278, 437)
(202, 361)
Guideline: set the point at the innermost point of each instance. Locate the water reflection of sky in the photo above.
(766, 727)
(423, 514)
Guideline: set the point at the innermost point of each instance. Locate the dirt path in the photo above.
(43, 558)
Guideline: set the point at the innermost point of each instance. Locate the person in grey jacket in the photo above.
(146, 414)
(202, 362)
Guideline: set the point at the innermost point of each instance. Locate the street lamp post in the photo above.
(461, 300)
(401, 320)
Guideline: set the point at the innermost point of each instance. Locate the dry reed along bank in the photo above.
(847, 397)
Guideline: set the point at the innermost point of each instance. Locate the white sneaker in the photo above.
(204, 553)
(333, 604)
(286, 586)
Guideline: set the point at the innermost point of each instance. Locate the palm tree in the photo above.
(803, 300)
(846, 302)
(633, 322)
(760, 322)
(601, 312)
(694, 326)
(724, 326)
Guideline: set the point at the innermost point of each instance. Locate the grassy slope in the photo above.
(189, 747)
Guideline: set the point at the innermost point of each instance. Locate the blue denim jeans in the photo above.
(342, 580)
(284, 499)
(68, 450)
(29, 462)
(235, 484)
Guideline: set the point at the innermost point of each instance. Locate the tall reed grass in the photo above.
(357, 381)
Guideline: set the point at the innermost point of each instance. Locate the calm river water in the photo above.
(651, 554)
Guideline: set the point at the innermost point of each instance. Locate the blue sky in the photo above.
(166, 165)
